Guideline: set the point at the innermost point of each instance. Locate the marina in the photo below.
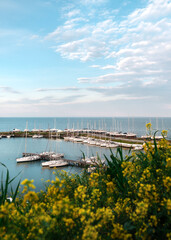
(14, 148)
(70, 137)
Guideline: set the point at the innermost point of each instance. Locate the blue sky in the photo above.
(85, 58)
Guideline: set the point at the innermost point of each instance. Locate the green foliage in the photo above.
(115, 171)
(5, 184)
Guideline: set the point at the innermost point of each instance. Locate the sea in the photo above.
(12, 148)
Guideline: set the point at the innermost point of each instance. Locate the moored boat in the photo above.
(47, 163)
(28, 159)
(59, 163)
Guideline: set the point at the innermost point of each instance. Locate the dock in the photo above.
(30, 157)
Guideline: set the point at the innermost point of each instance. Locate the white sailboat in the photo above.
(55, 163)
(47, 163)
(28, 159)
(59, 163)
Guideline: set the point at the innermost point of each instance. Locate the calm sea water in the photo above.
(12, 148)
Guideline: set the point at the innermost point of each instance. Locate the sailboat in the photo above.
(26, 158)
(53, 157)
(130, 134)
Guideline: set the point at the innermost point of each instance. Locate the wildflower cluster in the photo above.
(130, 199)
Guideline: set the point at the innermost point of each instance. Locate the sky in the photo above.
(85, 58)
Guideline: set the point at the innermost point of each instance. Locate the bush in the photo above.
(129, 199)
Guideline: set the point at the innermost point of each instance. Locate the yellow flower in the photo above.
(69, 223)
(140, 211)
(110, 186)
(169, 204)
(90, 232)
(25, 181)
(167, 182)
(28, 183)
(168, 160)
(164, 133)
(30, 197)
(148, 126)
(40, 231)
(153, 220)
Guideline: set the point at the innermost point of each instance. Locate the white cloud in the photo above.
(134, 47)
(83, 42)
(83, 49)
(107, 78)
(73, 13)
(104, 67)
(95, 66)
(155, 10)
(68, 33)
(108, 67)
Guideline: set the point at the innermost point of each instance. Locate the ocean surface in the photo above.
(12, 148)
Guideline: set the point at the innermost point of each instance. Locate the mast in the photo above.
(128, 126)
(26, 137)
